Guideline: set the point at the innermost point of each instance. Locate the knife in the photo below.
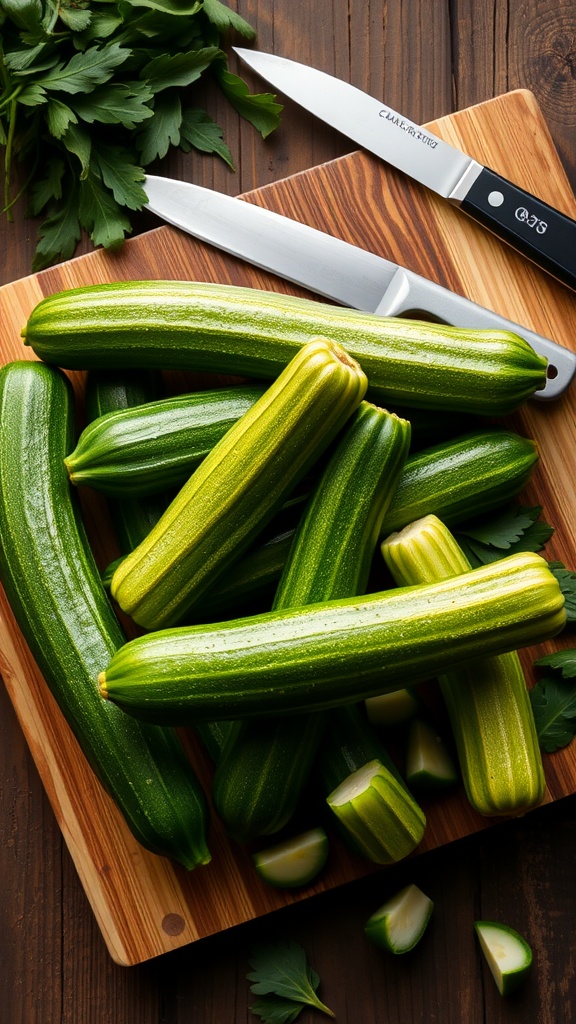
(333, 268)
(532, 227)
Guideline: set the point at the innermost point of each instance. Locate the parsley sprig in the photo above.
(93, 91)
(285, 982)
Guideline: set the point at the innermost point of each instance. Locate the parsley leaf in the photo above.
(281, 973)
(513, 529)
(553, 700)
(92, 91)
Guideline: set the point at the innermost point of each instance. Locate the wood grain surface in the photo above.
(145, 905)
(425, 60)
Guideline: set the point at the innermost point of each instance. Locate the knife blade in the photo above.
(332, 267)
(537, 230)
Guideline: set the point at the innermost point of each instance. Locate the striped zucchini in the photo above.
(461, 478)
(388, 824)
(321, 655)
(54, 590)
(487, 700)
(154, 447)
(229, 329)
(259, 778)
(240, 485)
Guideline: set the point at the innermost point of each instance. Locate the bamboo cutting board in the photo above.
(143, 904)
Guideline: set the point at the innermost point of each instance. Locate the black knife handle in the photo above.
(538, 231)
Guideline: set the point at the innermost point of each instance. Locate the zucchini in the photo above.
(382, 817)
(375, 810)
(449, 479)
(487, 700)
(461, 478)
(155, 447)
(54, 590)
(260, 776)
(108, 391)
(429, 764)
(228, 329)
(261, 772)
(399, 924)
(507, 954)
(240, 485)
(294, 862)
(335, 652)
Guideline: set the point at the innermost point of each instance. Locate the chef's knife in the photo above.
(333, 268)
(532, 227)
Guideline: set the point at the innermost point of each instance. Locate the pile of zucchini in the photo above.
(250, 518)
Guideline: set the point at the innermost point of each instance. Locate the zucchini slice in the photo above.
(400, 923)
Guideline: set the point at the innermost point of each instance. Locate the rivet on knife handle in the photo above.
(537, 230)
(410, 294)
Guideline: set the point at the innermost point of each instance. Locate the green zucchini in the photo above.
(384, 820)
(260, 777)
(228, 329)
(336, 652)
(154, 447)
(54, 590)
(380, 817)
(464, 477)
(239, 486)
(487, 700)
(106, 391)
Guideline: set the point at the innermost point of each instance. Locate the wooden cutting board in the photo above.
(143, 904)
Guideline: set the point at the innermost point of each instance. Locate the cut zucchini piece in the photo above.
(401, 922)
(392, 708)
(383, 819)
(294, 862)
(429, 764)
(507, 953)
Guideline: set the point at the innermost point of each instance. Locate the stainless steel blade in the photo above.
(370, 123)
(326, 265)
(333, 268)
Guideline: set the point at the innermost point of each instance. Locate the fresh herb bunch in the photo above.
(93, 91)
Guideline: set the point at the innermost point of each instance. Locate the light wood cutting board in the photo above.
(143, 904)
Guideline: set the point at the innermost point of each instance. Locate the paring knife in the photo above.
(333, 268)
(532, 227)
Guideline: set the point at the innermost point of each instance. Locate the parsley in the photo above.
(93, 91)
(282, 977)
(514, 529)
(553, 701)
(567, 580)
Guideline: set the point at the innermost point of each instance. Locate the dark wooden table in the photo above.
(428, 59)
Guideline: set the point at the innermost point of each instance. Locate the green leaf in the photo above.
(60, 233)
(75, 15)
(511, 530)
(179, 69)
(567, 580)
(100, 214)
(562, 661)
(275, 1010)
(162, 130)
(59, 117)
(25, 14)
(260, 109)
(223, 18)
(84, 70)
(282, 970)
(553, 701)
(23, 60)
(32, 95)
(47, 188)
(120, 174)
(125, 104)
(78, 142)
(178, 9)
(201, 132)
